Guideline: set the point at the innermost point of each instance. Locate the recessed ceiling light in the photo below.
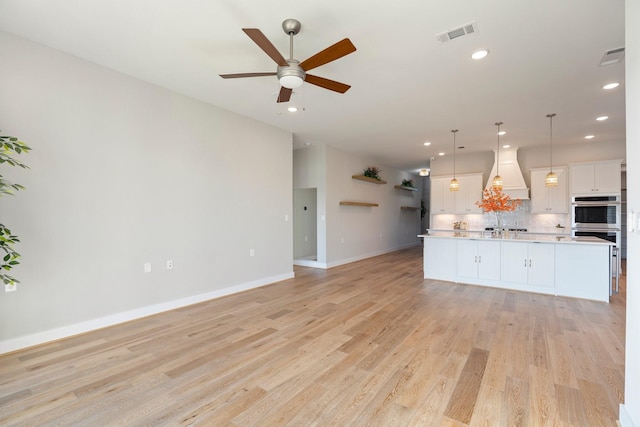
(501, 133)
(602, 118)
(589, 137)
(479, 54)
(292, 109)
(506, 146)
(427, 143)
(440, 154)
(611, 86)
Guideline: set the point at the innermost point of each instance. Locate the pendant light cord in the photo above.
(551, 116)
(454, 152)
(498, 150)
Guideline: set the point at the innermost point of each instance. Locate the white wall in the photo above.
(355, 233)
(309, 171)
(124, 173)
(305, 223)
(630, 410)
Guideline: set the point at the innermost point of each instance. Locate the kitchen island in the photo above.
(543, 263)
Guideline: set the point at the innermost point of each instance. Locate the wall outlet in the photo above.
(169, 264)
(252, 252)
(147, 267)
(10, 287)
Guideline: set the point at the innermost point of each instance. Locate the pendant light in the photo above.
(496, 183)
(552, 179)
(454, 185)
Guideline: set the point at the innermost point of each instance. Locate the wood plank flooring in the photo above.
(368, 343)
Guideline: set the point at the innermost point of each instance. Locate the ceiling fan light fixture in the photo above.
(291, 82)
(291, 76)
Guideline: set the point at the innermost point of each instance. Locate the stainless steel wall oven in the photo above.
(598, 216)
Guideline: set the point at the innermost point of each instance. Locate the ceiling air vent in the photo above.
(464, 30)
(612, 56)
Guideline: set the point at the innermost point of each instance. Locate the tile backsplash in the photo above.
(520, 218)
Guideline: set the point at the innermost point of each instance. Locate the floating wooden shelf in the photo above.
(348, 203)
(366, 178)
(402, 187)
(409, 208)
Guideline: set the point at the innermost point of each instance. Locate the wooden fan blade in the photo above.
(338, 50)
(326, 83)
(263, 42)
(284, 95)
(241, 75)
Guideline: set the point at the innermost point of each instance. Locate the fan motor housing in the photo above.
(293, 70)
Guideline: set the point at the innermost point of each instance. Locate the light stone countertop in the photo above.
(513, 236)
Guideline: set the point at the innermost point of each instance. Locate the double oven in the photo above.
(597, 216)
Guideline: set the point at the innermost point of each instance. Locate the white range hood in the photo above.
(512, 179)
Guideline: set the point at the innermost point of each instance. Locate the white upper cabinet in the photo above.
(596, 178)
(444, 201)
(469, 193)
(549, 199)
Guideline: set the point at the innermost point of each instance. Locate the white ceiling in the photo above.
(407, 88)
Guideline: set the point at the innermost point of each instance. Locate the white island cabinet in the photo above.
(530, 264)
(478, 259)
(556, 265)
(441, 251)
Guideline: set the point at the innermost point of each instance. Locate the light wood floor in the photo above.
(369, 343)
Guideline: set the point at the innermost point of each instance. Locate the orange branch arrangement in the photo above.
(496, 201)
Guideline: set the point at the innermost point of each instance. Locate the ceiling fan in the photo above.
(292, 73)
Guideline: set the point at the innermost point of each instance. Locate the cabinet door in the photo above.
(558, 196)
(542, 264)
(439, 259)
(442, 200)
(607, 177)
(467, 259)
(582, 178)
(470, 192)
(489, 260)
(549, 199)
(515, 262)
(539, 193)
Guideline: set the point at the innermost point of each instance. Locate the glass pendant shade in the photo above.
(497, 182)
(454, 185)
(551, 180)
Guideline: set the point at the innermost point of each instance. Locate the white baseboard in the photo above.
(103, 322)
(625, 418)
(309, 263)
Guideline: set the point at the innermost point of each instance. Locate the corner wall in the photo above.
(354, 232)
(125, 173)
(630, 409)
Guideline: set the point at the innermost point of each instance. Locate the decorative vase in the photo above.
(498, 228)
